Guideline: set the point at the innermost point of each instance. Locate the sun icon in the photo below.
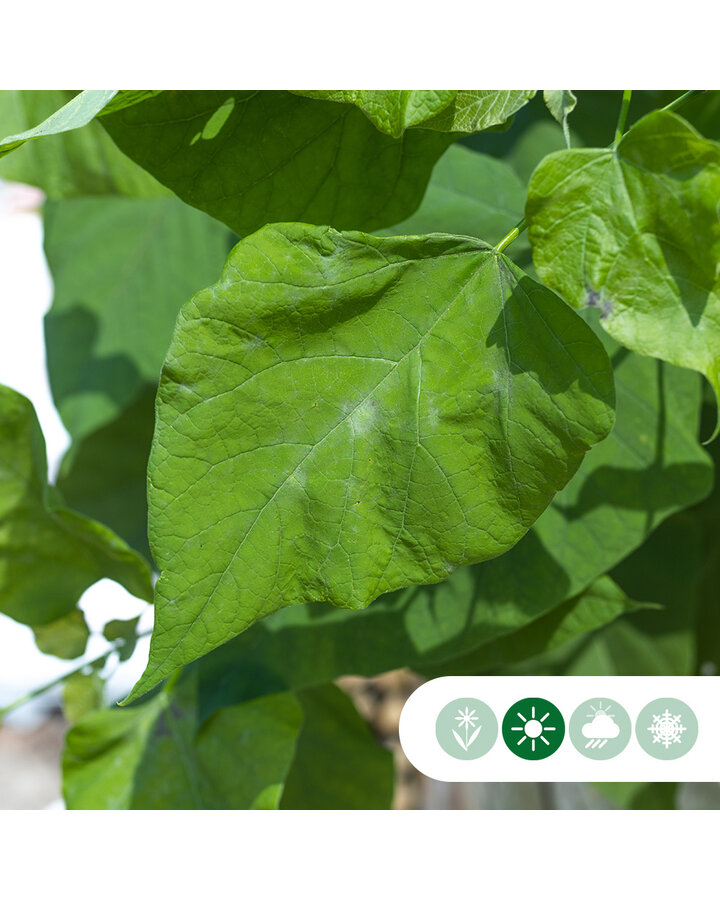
(533, 728)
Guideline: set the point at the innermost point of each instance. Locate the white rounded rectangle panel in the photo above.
(555, 728)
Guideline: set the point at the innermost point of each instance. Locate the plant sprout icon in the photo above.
(468, 719)
(533, 729)
(602, 728)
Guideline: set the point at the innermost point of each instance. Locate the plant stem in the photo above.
(31, 695)
(678, 101)
(622, 118)
(511, 235)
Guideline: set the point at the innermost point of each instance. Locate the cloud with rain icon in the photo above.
(601, 729)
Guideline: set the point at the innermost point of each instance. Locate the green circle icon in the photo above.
(466, 728)
(600, 728)
(666, 728)
(533, 728)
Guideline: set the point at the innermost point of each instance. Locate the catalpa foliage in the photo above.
(373, 379)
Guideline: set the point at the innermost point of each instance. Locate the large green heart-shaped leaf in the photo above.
(394, 111)
(342, 416)
(49, 555)
(650, 466)
(635, 230)
(469, 193)
(68, 154)
(252, 157)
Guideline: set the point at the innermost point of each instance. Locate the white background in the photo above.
(616, 44)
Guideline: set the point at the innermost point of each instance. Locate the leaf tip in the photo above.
(149, 679)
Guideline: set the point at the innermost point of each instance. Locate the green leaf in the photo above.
(154, 756)
(338, 762)
(313, 754)
(78, 112)
(342, 416)
(108, 330)
(665, 570)
(49, 555)
(561, 104)
(395, 111)
(65, 638)
(596, 607)
(116, 296)
(102, 753)
(472, 111)
(252, 157)
(663, 573)
(83, 693)
(68, 154)
(238, 759)
(123, 631)
(636, 231)
(534, 144)
(114, 492)
(649, 466)
(707, 517)
(469, 193)
(626, 649)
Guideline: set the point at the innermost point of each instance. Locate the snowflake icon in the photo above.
(667, 729)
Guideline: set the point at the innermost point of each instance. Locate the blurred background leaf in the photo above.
(49, 554)
(121, 268)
